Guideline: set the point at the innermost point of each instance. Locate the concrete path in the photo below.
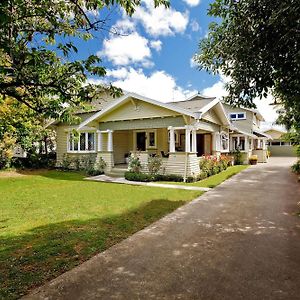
(122, 180)
(241, 240)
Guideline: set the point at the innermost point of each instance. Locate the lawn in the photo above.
(52, 221)
(215, 180)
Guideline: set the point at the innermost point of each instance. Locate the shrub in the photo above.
(296, 167)
(211, 165)
(237, 155)
(133, 176)
(154, 164)
(66, 162)
(135, 165)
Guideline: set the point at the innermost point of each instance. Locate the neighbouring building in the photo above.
(277, 145)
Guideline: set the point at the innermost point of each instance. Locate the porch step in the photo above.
(116, 172)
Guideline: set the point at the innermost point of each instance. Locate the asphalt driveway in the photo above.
(240, 240)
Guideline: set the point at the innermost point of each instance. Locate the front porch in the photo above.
(178, 147)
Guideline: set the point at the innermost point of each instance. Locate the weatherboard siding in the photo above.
(136, 110)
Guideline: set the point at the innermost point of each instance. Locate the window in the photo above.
(237, 116)
(84, 142)
(224, 141)
(152, 139)
(238, 143)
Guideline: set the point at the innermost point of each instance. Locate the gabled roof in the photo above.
(173, 106)
(128, 96)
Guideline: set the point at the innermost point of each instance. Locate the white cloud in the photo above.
(263, 105)
(117, 73)
(156, 45)
(192, 2)
(123, 26)
(160, 21)
(127, 49)
(195, 26)
(159, 85)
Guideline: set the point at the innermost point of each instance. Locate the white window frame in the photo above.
(148, 139)
(221, 135)
(78, 142)
(236, 118)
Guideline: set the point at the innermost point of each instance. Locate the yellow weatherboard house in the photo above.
(180, 132)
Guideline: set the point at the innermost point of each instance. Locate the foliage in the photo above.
(215, 180)
(211, 165)
(296, 167)
(253, 158)
(25, 126)
(154, 164)
(237, 156)
(35, 161)
(256, 45)
(37, 52)
(7, 144)
(134, 165)
(52, 221)
(66, 162)
(293, 137)
(86, 164)
(144, 177)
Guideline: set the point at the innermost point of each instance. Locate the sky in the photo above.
(151, 54)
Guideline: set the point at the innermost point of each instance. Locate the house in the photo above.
(180, 132)
(277, 145)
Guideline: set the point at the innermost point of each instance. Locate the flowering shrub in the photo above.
(154, 164)
(135, 165)
(211, 165)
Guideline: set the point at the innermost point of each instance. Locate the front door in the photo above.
(203, 144)
(141, 141)
(200, 144)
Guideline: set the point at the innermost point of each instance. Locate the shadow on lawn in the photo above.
(29, 260)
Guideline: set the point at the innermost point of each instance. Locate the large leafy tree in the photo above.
(37, 65)
(40, 77)
(256, 43)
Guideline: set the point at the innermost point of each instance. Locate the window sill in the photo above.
(79, 152)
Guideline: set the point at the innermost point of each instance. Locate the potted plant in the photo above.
(253, 159)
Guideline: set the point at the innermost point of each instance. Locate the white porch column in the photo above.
(194, 141)
(187, 140)
(172, 140)
(246, 143)
(100, 143)
(110, 141)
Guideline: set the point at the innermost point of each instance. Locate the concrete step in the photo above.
(116, 172)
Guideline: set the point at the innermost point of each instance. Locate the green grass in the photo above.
(52, 221)
(215, 180)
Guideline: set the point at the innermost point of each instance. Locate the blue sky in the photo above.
(151, 54)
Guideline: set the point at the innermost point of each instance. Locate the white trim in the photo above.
(212, 104)
(236, 114)
(78, 143)
(148, 139)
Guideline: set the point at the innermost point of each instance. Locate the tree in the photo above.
(36, 65)
(21, 123)
(39, 77)
(256, 43)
